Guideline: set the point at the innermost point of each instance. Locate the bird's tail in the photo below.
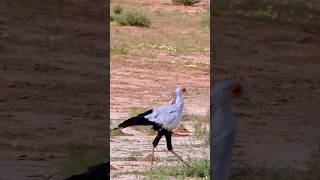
(134, 121)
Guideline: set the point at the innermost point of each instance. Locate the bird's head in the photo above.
(227, 90)
(180, 90)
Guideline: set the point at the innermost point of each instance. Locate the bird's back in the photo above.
(169, 116)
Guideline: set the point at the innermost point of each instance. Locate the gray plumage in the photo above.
(164, 119)
(224, 126)
(169, 116)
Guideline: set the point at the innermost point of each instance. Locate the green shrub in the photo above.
(134, 18)
(266, 14)
(185, 2)
(114, 18)
(128, 17)
(117, 9)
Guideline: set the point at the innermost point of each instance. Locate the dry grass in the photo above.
(177, 33)
(201, 167)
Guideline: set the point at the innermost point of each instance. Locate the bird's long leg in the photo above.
(156, 141)
(169, 146)
(152, 155)
(180, 158)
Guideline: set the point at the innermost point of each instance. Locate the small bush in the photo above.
(115, 14)
(128, 17)
(267, 14)
(134, 18)
(117, 9)
(114, 18)
(185, 2)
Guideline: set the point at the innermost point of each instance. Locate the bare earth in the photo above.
(280, 67)
(53, 55)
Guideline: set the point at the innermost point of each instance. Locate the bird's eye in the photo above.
(236, 90)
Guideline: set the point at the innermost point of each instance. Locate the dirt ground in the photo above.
(53, 58)
(279, 64)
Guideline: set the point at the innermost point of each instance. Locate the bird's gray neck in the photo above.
(179, 101)
(223, 116)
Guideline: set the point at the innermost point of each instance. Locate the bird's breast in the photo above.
(173, 125)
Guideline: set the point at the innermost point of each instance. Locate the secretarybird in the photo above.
(163, 119)
(224, 125)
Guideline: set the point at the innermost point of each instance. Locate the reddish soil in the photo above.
(181, 129)
(148, 158)
(53, 58)
(280, 67)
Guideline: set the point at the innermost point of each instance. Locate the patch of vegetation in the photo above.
(205, 19)
(136, 153)
(78, 157)
(135, 111)
(57, 38)
(145, 129)
(159, 13)
(120, 49)
(185, 2)
(197, 129)
(115, 14)
(191, 117)
(158, 46)
(135, 18)
(282, 11)
(116, 132)
(201, 132)
(132, 17)
(266, 14)
(201, 167)
(114, 18)
(190, 64)
(117, 9)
